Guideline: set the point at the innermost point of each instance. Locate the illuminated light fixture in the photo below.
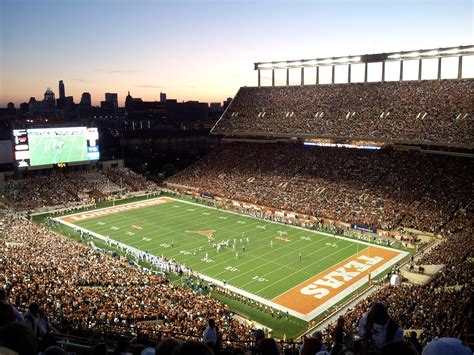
(451, 51)
(341, 60)
(326, 61)
(469, 49)
(265, 65)
(430, 53)
(295, 64)
(395, 56)
(354, 59)
(412, 55)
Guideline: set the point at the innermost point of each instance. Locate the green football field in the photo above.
(268, 259)
(46, 150)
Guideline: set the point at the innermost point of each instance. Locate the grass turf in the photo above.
(265, 266)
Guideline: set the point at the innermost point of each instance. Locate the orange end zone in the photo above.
(321, 288)
(116, 209)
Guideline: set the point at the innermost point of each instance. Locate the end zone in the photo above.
(110, 210)
(321, 291)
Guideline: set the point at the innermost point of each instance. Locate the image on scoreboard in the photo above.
(47, 146)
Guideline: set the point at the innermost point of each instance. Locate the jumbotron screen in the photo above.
(46, 146)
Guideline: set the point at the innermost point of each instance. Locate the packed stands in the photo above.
(428, 112)
(73, 187)
(381, 189)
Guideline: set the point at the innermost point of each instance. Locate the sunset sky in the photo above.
(202, 50)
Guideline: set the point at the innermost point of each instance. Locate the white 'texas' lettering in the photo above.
(338, 277)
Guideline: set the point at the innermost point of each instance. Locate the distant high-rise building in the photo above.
(112, 97)
(128, 103)
(227, 103)
(86, 99)
(31, 104)
(62, 91)
(10, 106)
(24, 108)
(62, 96)
(108, 105)
(215, 106)
(45, 107)
(162, 96)
(49, 96)
(68, 103)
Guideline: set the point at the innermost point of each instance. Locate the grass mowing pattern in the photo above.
(261, 269)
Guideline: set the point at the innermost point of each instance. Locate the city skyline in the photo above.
(201, 50)
(107, 96)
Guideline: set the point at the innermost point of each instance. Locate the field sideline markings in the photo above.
(215, 265)
(220, 263)
(138, 243)
(254, 218)
(287, 226)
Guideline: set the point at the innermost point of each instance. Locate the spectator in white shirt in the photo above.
(210, 334)
(377, 328)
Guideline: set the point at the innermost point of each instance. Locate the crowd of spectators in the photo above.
(78, 286)
(380, 189)
(73, 187)
(424, 111)
(61, 284)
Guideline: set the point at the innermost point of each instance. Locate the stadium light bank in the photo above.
(419, 55)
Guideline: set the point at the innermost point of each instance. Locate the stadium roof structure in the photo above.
(421, 54)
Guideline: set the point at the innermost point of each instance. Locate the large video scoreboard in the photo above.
(47, 146)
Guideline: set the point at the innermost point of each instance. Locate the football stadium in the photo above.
(322, 217)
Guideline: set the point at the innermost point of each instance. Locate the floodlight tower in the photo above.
(365, 59)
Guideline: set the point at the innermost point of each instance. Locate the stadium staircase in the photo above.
(424, 278)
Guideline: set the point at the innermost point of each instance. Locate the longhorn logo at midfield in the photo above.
(209, 233)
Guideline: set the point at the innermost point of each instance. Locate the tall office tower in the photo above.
(162, 96)
(86, 99)
(112, 97)
(62, 91)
